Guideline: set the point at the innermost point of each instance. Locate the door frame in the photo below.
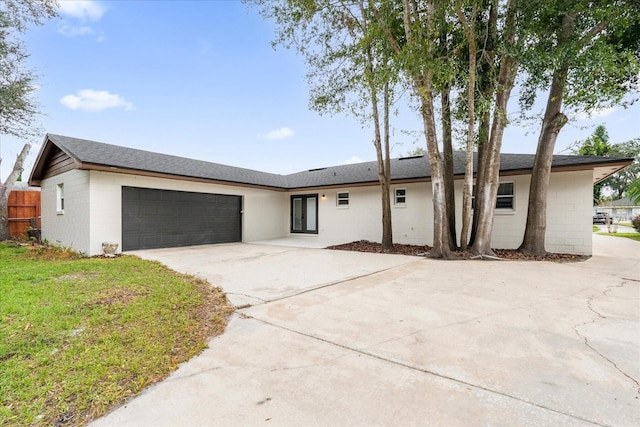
(304, 198)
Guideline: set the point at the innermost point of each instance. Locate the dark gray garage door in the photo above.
(163, 219)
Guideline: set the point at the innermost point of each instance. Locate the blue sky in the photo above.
(200, 79)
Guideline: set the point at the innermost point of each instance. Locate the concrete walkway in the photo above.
(337, 338)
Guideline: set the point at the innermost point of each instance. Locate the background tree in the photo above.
(587, 54)
(596, 145)
(633, 192)
(18, 107)
(620, 181)
(417, 151)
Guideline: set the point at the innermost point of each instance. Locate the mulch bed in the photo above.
(417, 250)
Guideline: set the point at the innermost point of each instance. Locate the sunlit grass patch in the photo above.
(632, 236)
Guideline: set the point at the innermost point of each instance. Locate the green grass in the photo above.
(78, 336)
(632, 236)
(596, 229)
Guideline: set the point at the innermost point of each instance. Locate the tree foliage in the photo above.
(586, 54)
(349, 70)
(467, 54)
(634, 191)
(18, 107)
(620, 183)
(600, 51)
(597, 144)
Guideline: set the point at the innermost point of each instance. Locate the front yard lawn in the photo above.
(79, 336)
(632, 236)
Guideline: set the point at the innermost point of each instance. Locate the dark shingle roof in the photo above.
(97, 153)
(418, 167)
(100, 154)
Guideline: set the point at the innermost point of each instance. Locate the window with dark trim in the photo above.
(505, 199)
(60, 198)
(505, 196)
(342, 199)
(304, 213)
(400, 196)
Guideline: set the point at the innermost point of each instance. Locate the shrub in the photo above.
(635, 223)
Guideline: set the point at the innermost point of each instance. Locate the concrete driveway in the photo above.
(340, 338)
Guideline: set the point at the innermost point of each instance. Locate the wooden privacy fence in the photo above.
(24, 212)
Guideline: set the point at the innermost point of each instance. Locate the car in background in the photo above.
(602, 218)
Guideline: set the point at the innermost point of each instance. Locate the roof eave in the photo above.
(602, 172)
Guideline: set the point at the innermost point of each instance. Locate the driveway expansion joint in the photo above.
(321, 286)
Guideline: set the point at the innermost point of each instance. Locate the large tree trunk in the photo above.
(415, 17)
(533, 242)
(387, 229)
(440, 223)
(447, 153)
(486, 88)
(6, 188)
(469, 30)
(483, 143)
(384, 169)
(486, 190)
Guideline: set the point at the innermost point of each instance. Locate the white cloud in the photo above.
(282, 133)
(82, 11)
(94, 100)
(85, 10)
(352, 160)
(80, 31)
(76, 31)
(594, 114)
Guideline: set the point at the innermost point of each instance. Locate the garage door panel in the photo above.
(153, 218)
(131, 242)
(129, 227)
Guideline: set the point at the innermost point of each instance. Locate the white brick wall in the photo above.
(89, 221)
(70, 229)
(568, 223)
(263, 210)
(570, 211)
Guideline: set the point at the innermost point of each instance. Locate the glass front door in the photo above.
(304, 213)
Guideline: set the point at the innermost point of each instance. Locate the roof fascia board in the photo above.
(36, 173)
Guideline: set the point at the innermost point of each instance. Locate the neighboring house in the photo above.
(619, 210)
(94, 193)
